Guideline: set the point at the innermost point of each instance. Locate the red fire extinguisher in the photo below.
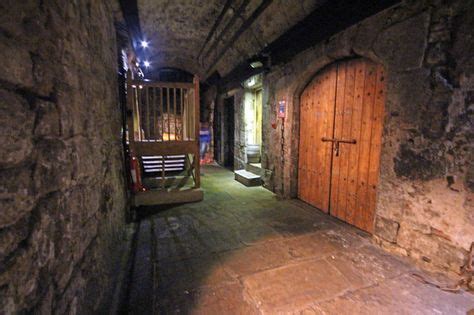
(136, 176)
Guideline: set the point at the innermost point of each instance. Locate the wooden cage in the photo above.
(163, 132)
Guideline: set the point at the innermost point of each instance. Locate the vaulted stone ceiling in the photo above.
(177, 31)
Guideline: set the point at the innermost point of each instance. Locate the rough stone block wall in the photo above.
(240, 158)
(62, 191)
(425, 206)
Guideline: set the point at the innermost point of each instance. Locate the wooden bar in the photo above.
(163, 173)
(162, 115)
(196, 125)
(174, 110)
(168, 112)
(131, 137)
(147, 102)
(136, 114)
(165, 148)
(181, 133)
(154, 113)
(183, 85)
(186, 114)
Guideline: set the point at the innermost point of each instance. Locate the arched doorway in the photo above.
(341, 121)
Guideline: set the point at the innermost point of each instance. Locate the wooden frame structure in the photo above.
(163, 132)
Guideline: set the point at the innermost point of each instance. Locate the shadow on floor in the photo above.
(242, 251)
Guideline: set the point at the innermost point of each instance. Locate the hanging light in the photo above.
(146, 63)
(144, 44)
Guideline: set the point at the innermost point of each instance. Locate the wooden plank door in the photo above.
(359, 97)
(317, 121)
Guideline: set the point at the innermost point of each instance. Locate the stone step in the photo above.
(247, 178)
(253, 168)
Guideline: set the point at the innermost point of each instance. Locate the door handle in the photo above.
(337, 141)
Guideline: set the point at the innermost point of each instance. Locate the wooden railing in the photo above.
(164, 120)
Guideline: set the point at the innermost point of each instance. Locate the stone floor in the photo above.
(242, 251)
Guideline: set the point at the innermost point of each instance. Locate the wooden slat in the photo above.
(174, 111)
(364, 144)
(303, 148)
(338, 133)
(147, 102)
(164, 148)
(329, 132)
(130, 110)
(162, 111)
(181, 107)
(168, 111)
(136, 114)
(313, 146)
(154, 112)
(345, 149)
(356, 121)
(196, 134)
(163, 84)
(375, 147)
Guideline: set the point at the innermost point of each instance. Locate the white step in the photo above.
(247, 178)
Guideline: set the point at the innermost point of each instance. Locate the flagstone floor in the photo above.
(242, 251)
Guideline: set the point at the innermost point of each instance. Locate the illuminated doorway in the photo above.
(253, 120)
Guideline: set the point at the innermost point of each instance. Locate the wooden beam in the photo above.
(178, 85)
(163, 148)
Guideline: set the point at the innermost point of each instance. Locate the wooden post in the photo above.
(168, 110)
(181, 107)
(174, 111)
(147, 100)
(162, 112)
(196, 133)
(130, 112)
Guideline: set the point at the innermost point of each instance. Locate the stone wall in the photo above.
(425, 204)
(62, 191)
(239, 126)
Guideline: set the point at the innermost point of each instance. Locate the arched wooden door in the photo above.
(341, 120)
